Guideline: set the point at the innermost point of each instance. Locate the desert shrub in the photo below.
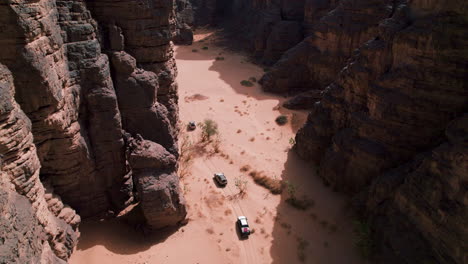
(291, 188)
(209, 128)
(186, 189)
(219, 58)
(302, 244)
(241, 185)
(292, 141)
(205, 48)
(273, 185)
(186, 156)
(364, 242)
(246, 83)
(301, 204)
(253, 79)
(217, 145)
(194, 50)
(245, 168)
(281, 120)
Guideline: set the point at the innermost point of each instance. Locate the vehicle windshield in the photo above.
(244, 223)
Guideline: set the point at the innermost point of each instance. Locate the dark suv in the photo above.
(220, 179)
(191, 126)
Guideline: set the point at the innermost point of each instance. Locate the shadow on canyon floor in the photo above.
(320, 234)
(127, 240)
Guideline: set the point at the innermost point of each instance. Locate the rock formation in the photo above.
(391, 127)
(266, 28)
(185, 19)
(29, 214)
(88, 112)
(154, 172)
(332, 39)
(68, 114)
(420, 208)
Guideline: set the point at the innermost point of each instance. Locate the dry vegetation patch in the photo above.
(273, 185)
(245, 168)
(302, 245)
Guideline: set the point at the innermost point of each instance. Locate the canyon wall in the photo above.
(386, 85)
(84, 86)
(391, 128)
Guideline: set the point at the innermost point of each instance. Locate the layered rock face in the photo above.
(421, 207)
(29, 214)
(332, 38)
(69, 113)
(154, 172)
(402, 99)
(185, 19)
(266, 28)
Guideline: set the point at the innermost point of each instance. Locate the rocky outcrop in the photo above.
(332, 38)
(400, 100)
(185, 18)
(422, 205)
(144, 30)
(154, 172)
(67, 109)
(46, 228)
(304, 100)
(137, 92)
(266, 28)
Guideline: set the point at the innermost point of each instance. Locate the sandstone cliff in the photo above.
(332, 39)
(68, 115)
(400, 100)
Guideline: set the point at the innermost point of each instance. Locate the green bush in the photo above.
(246, 83)
(281, 120)
(253, 79)
(209, 128)
(364, 242)
(241, 185)
(292, 141)
(205, 48)
(194, 50)
(301, 204)
(219, 58)
(302, 245)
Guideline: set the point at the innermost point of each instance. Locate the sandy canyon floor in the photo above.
(210, 88)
